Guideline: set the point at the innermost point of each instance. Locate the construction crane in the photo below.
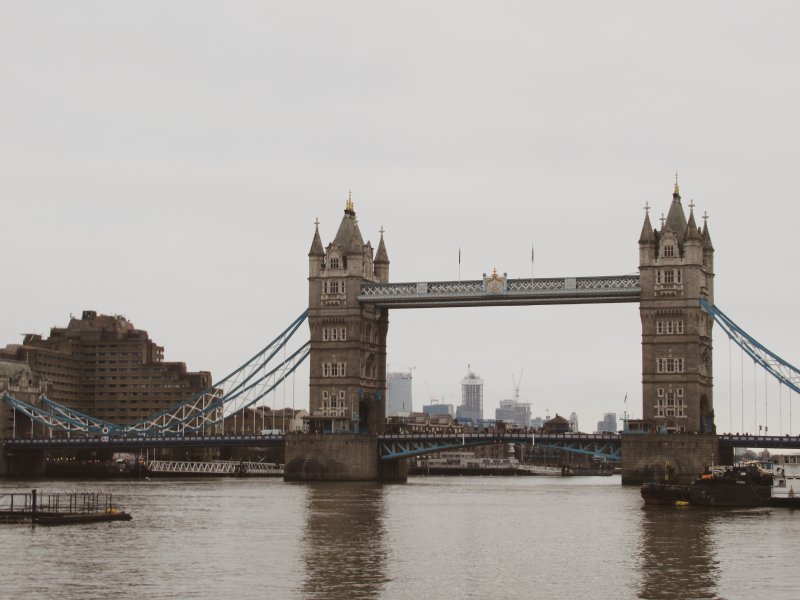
(516, 385)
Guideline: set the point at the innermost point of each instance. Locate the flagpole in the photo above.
(531, 264)
(459, 265)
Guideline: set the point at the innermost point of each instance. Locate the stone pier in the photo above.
(644, 456)
(338, 457)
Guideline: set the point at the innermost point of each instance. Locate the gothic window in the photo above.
(669, 327)
(333, 287)
(334, 262)
(668, 276)
(669, 365)
(326, 334)
(669, 250)
(333, 369)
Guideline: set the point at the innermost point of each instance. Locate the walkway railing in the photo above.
(214, 467)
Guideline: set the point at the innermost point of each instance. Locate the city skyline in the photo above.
(175, 179)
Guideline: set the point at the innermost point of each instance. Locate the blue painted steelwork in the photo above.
(396, 446)
(241, 389)
(76, 422)
(119, 442)
(771, 362)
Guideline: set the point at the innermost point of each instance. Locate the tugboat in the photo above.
(666, 492)
(745, 485)
(786, 481)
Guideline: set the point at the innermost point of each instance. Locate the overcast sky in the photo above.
(167, 160)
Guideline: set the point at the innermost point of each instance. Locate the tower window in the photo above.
(669, 250)
(669, 365)
(668, 276)
(669, 327)
(334, 262)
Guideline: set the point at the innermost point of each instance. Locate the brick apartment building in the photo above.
(103, 366)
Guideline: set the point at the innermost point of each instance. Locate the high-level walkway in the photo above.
(498, 291)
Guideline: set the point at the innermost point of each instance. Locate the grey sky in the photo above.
(166, 161)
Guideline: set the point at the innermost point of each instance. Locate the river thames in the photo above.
(434, 537)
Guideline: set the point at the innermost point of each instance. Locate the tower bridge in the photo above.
(349, 302)
(351, 296)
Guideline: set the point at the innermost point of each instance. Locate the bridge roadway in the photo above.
(391, 446)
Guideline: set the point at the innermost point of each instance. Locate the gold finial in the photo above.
(349, 207)
(677, 191)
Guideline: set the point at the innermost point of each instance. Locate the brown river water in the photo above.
(434, 537)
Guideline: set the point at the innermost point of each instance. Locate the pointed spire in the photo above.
(676, 192)
(316, 244)
(676, 218)
(692, 231)
(706, 236)
(348, 228)
(648, 235)
(381, 257)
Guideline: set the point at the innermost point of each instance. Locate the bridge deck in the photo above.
(564, 290)
(384, 440)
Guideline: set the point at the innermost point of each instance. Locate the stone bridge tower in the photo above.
(348, 340)
(676, 266)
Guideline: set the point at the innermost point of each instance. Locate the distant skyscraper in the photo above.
(438, 409)
(573, 423)
(471, 398)
(512, 410)
(608, 424)
(398, 393)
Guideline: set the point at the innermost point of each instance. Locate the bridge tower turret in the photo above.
(676, 269)
(347, 388)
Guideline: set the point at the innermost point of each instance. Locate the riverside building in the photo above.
(103, 366)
